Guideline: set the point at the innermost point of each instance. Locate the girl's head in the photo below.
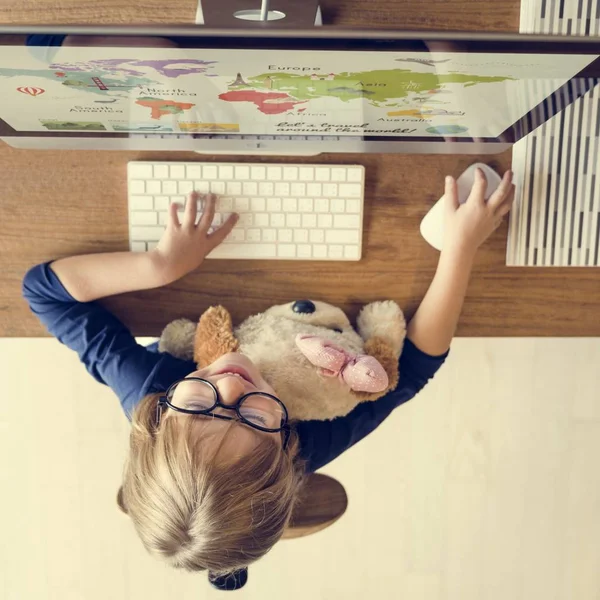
(205, 492)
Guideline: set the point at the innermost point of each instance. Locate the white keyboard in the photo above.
(287, 211)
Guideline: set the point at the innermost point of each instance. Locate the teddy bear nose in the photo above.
(303, 306)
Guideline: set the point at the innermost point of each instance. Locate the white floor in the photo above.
(485, 487)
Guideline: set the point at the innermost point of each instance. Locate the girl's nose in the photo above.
(231, 388)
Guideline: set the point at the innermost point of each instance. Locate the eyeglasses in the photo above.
(197, 396)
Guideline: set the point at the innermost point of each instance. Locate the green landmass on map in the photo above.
(376, 86)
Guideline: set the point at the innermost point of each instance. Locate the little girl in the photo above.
(214, 468)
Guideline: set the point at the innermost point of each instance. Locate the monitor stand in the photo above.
(300, 14)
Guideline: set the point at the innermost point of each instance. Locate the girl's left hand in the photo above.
(184, 245)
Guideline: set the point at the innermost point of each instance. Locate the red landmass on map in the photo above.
(159, 108)
(269, 103)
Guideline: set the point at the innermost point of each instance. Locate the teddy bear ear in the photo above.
(214, 336)
(386, 355)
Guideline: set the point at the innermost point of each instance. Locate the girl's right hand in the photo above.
(468, 225)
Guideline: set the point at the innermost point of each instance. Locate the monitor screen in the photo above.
(281, 84)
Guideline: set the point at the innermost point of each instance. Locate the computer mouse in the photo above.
(432, 225)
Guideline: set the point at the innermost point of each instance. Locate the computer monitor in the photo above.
(283, 90)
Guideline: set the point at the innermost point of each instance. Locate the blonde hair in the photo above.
(197, 512)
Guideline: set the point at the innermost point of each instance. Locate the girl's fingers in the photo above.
(479, 188)
(218, 235)
(502, 193)
(451, 194)
(191, 209)
(505, 206)
(173, 216)
(208, 212)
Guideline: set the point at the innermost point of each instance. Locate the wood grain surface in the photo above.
(55, 204)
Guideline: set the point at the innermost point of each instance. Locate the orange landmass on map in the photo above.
(159, 108)
(269, 103)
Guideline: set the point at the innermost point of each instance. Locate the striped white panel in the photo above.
(556, 217)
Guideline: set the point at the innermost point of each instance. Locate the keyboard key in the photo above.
(217, 187)
(137, 187)
(350, 190)
(293, 220)
(161, 202)
(321, 205)
(330, 190)
(338, 174)
(313, 189)
(324, 221)
(225, 172)
(169, 187)
(210, 172)
(320, 251)
(286, 250)
(309, 221)
(177, 172)
(152, 234)
(140, 171)
(266, 188)
(258, 205)
(233, 188)
(354, 175)
(246, 220)
(273, 204)
(353, 206)
(225, 204)
(237, 234)
(185, 187)
(161, 171)
(346, 221)
(338, 205)
(298, 189)
(277, 220)
(202, 187)
(316, 236)
(352, 252)
(217, 220)
(193, 172)
(141, 217)
(241, 204)
(253, 235)
(301, 235)
(140, 202)
(269, 235)
(258, 173)
(282, 189)
(290, 205)
(153, 187)
(290, 173)
(249, 251)
(285, 235)
(322, 174)
(303, 251)
(335, 251)
(261, 219)
(250, 188)
(305, 205)
(274, 173)
(306, 174)
(242, 172)
(163, 218)
(341, 236)
(138, 246)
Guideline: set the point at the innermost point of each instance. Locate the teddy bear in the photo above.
(307, 350)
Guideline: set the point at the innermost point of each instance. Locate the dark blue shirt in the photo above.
(113, 357)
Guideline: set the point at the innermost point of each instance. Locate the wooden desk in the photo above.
(55, 204)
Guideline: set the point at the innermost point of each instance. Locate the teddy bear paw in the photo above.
(177, 338)
(384, 320)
